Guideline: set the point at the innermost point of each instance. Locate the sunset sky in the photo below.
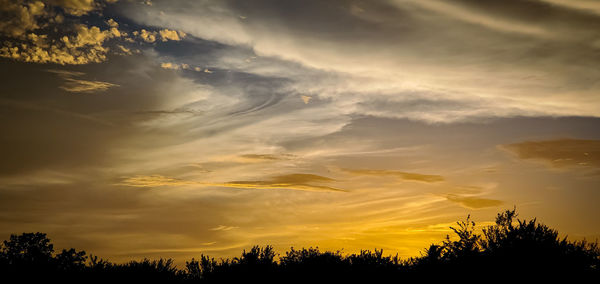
(134, 129)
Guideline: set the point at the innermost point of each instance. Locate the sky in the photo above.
(171, 129)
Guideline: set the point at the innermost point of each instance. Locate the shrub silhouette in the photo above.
(71, 260)
(508, 247)
(528, 244)
(28, 248)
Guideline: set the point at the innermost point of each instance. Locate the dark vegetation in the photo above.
(511, 249)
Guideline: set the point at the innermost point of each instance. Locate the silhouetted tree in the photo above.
(71, 259)
(523, 244)
(509, 247)
(28, 248)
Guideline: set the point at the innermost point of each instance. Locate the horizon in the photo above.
(167, 129)
(280, 255)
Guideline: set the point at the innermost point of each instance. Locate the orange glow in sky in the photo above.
(136, 129)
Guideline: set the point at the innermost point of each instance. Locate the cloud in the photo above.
(457, 61)
(223, 228)
(125, 50)
(167, 34)
(458, 12)
(291, 181)
(184, 66)
(36, 32)
(164, 35)
(306, 99)
(398, 174)
(18, 18)
(415, 92)
(275, 185)
(148, 36)
(84, 45)
(303, 182)
(473, 202)
(265, 157)
(153, 181)
(559, 153)
(169, 65)
(591, 6)
(81, 86)
(76, 7)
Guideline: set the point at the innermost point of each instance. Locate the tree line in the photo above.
(504, 250)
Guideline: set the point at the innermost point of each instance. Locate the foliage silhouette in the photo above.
(507, 248)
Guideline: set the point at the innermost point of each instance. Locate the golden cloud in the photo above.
(264, 157)
(164, 35)
(169, 65)
(167, 34)
(153, 181)
(304, 182)
(76, 7)
(36, 32)
(473, 202)
(85, 46)
(147, 36)
(18, 18)
(306, 99)
(81, 86)
(402, 175)
(178, 66)
(223, 228)
(124, 50)
(292, 181)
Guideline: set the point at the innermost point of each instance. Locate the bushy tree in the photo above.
(71, 259)
(27, 248)
(520, 244)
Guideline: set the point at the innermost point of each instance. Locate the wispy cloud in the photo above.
(398, 174)
(84, 86)
(74, 85)
(223, 228)
(153, 181)
(456, 11)
(266, 157)
(303, 182)
(306, 182)
(473, 202)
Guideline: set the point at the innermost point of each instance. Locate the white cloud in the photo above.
(481, 67)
